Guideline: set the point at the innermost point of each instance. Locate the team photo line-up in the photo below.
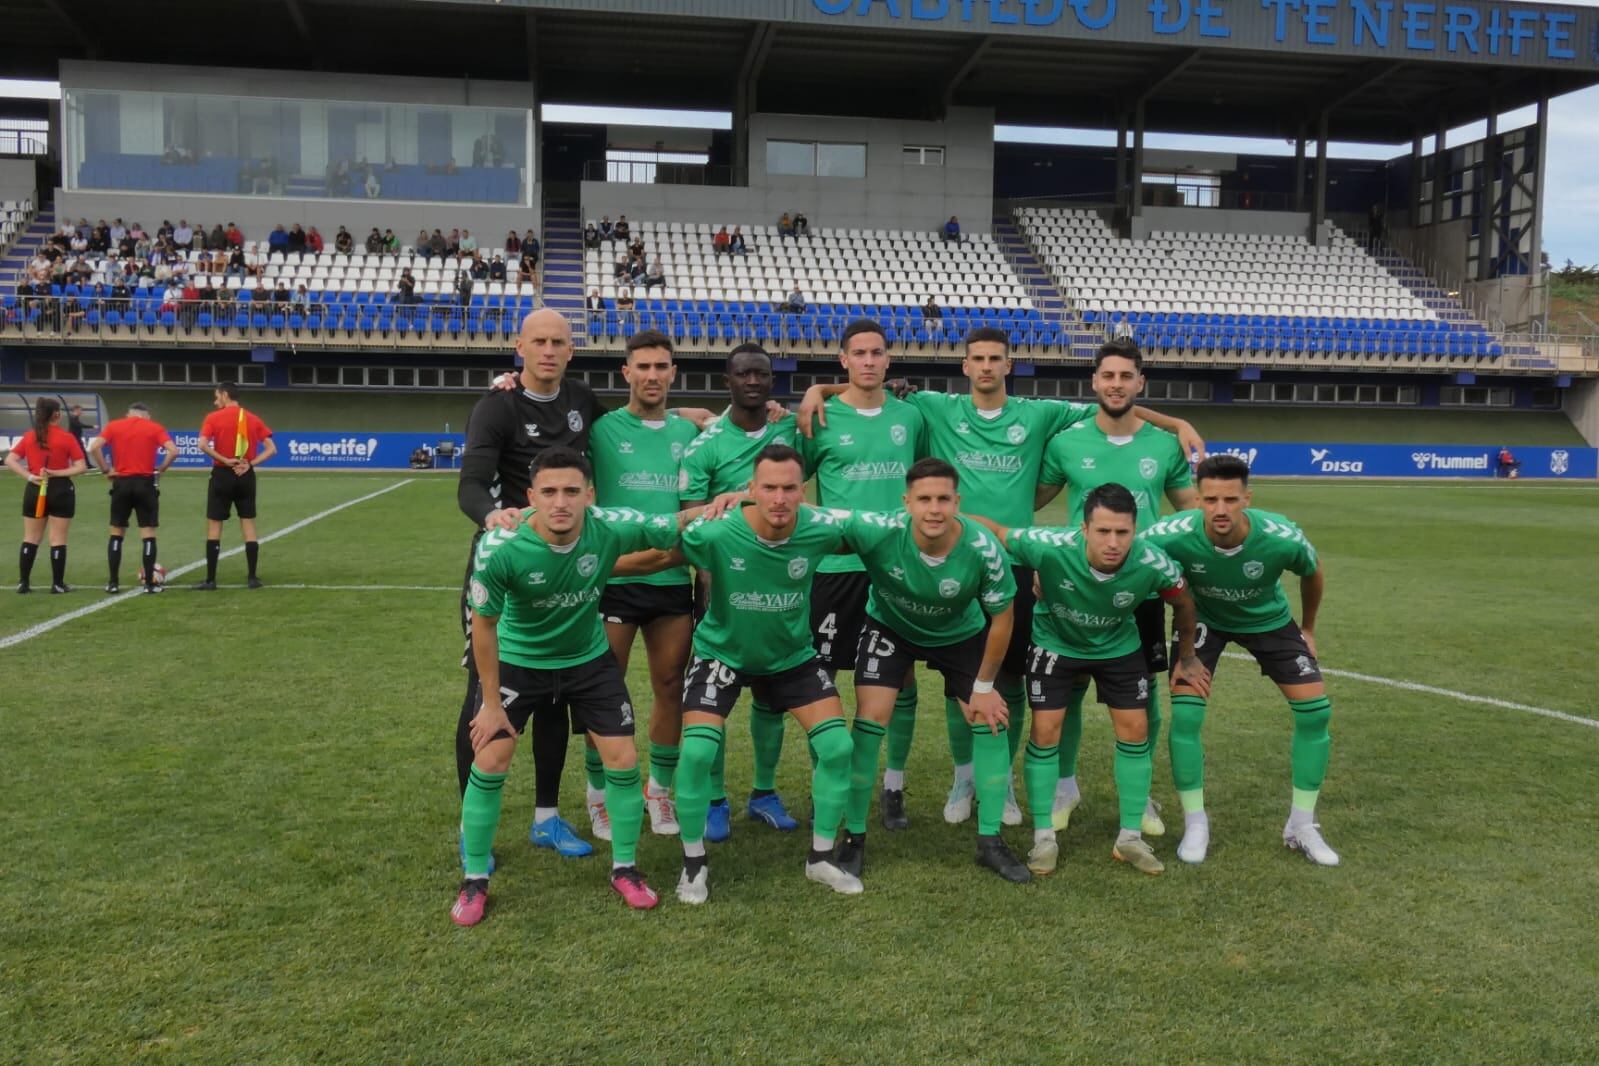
(594, 526)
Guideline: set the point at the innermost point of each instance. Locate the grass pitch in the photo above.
(230, 819)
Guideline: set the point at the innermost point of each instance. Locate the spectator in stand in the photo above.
(1509, 465)
(437, 245)
(478, 268)
(802, 225)
(722, 242)
(217, 238)
(607, 230)
(952, 230)
(121, 295)
(636, 249)
(78, 244)
(591, 236)
(930, 310)
(302, 298)
(100, 238)
(313, 241)
(595, 302)
(527, 270)
(237, 267)
(531, 247)
(453, 245)
(208, 292)
(118, 231)
(343, 241)
(463, 287)
(421, 245)
(623, 232)
(513, 243)
(735, 243)
(235, 236)
(371, 186)
(374, 242)
(171, 299)
(183, 235)
(795, 304)
(468, 243)
(127, 246)
(623, 268)
(281, 294)
(296, 238)
(278, 240)
(785, 225)
(497, 268)
(624, 300)
(405, 288)
(655, 275)
(636, 269)
(391, 243)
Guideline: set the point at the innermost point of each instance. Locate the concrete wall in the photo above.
(893, 195)
(17, 180)
(1582, 407)
(256, 215)
(1214, 220)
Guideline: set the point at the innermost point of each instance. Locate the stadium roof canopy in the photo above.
(1380, 70)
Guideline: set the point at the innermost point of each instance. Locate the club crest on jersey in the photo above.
(480, 593)
(575, 420)
(736, 562)
(532, 430)
(1303, 662)
(1122, 599)
(1147, 468)
(797, 568)
(625, 447)
(1016, 434)
(948, 587)
(896, 434)
(588, 564)
(1254, 569)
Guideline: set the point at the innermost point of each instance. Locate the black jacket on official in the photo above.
(506, 430)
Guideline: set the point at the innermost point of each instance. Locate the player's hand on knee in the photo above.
(991, 708)
(488, 724)
(1191, 673)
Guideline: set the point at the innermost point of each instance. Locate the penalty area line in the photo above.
(1433, 690)
(59, 620)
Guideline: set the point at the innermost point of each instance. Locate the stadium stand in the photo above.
(841, 273)
(1184, 291)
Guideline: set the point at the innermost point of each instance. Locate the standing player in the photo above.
(997, 443)
(1235, 557)
(637, 451)
(940, 593)
(237, 442)
(132, 471)
(756, 632)
(720, 460)
(1091, 580)
(859, 456)
(1116, 446)
(540, 648)
(49, 458)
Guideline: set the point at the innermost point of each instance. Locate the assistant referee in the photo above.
(132, 471)
(237, 442)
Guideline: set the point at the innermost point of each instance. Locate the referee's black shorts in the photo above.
(229, 492)
(60, 499)
(136, 495)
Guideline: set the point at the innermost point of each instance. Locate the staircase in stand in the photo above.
(1079, 339)
(562, 264)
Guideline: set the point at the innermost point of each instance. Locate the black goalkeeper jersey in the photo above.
(506, 430)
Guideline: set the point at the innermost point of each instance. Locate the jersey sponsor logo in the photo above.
(625, 447)
(896, 434)
(641, 481)
(1088, 462)
(798, 567)
(873, 471)
(1148, 468)
(907, 605)
(769, 602)
(948, 588)
(567, 599)
(1434, 461)
(987, 462)
(588, 564)
(1087, 620)
(574, 420)
(1215, 592)
(1560, 459)
(1016, 434)
(1254, 569)
(1122, 599)
(531, 428)
(736, 562)
(1319, 459)
(480, 593)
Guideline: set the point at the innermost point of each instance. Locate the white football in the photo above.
(160, 574)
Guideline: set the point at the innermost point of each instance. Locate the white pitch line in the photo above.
(1432, 690)
(99, 605)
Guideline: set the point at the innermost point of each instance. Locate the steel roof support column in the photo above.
(1121, 164)
(1299, 169)
(1440, 166)
(1318, 213)
(1489, 249)
(1535, 248)
(1135, 181)
(1413, 201)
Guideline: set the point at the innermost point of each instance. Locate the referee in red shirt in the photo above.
(237, 442)
(49, 457)
(132, 471)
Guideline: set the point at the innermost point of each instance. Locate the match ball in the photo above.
(160, 574)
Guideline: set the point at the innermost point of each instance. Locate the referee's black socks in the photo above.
(113, 557)
(58, 564)
(252, 552)
(213, 552)
(148, 564)
(25, 561)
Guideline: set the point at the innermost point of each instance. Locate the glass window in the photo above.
(791, 157)
(841, 160)
(922, 155)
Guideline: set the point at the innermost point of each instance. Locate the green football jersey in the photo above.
(1083, 613)
(546, 597)
(927, 604)
(636, 465)
(758, 619)
(1237, 589)
(859, 461)
(1148, 465)
(723, 457)
(998, 457)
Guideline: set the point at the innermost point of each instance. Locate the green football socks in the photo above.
(766, 736)
(480, 816)
(868, 739)
(1188, 751)
(624, 802)
(1134, 770)
(702, 745)
(990, 775)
